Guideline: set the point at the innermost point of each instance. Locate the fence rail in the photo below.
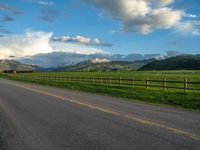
(163, 84)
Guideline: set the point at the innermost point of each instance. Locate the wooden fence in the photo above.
(163, 84)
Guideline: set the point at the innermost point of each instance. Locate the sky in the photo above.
(32, 27)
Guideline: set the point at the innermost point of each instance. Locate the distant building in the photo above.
(1, 70)
(99, 60)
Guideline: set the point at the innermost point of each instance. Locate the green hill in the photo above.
(6, 64)
(184, 62)
(90, 66)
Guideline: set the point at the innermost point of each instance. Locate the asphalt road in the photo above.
(34, 117)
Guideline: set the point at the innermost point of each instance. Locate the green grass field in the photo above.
(174, 97)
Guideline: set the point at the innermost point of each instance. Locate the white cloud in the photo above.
(188, 27)
(42, 2)
(162, 2)
(81, 40)
(75, 48)
(29, 43)
(143, 16)
(189, 15)
(32, 43)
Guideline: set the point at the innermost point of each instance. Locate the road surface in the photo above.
(34, 117)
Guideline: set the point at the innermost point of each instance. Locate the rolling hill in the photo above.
(92, 65)
(6, 64)
(183, 62)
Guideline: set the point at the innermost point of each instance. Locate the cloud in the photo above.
(75, 48)
(7, 8)
(173, 53)
(174, 43)
(7, 14)
(48, 14)
(3, 30)
(190, 15)
(81, 40)
(143, 16)
(34, 42)
(29, 43)
(188, 27)
(6, 18)
(42, 2)
(55, 59)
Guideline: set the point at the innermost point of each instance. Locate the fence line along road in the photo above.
(163, 84)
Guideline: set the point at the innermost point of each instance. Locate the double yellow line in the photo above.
(112, 112)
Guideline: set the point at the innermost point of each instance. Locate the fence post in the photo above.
(147, 82)
(110, 80)
(133, 82)
(185, 86)
(93, 80)
(120, 81)
(164, 84)
(101, 80)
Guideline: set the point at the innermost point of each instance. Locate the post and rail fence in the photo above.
(147, 83)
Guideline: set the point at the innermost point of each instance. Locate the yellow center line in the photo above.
(113, 112)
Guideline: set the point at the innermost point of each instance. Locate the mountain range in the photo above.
(6, 64)
(55, 59)
(182, 62)
(91, 66)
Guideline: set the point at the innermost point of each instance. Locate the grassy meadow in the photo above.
(174, 97)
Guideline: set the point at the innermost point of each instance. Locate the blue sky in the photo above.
(113, 26)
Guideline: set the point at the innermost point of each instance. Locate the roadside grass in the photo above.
(179, 99)
(191, 76)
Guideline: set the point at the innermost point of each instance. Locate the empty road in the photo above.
(34, 117)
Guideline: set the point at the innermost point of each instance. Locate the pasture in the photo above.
(177, 88)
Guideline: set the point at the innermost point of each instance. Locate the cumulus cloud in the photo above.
(75, 48)
(35, 42)
(143, 16)
(81, 40)
(21, 45)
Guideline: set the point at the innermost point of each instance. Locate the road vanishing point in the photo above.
(36, 117)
